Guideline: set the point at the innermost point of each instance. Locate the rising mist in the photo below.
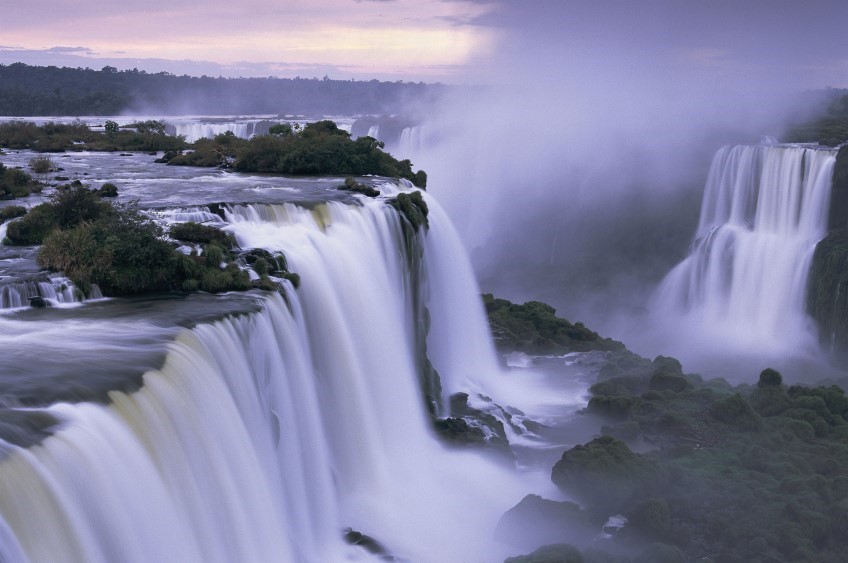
(576, 175)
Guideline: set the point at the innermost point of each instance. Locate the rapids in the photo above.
(256, 426)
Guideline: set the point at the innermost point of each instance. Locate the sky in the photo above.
(451, 41)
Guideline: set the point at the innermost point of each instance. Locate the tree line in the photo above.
(51, 91)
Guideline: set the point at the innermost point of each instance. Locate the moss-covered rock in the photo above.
(555, 553)
(534, 328)
(605, 472)
(412, 207)
(538, 521)
(108, 190)
(351, 185)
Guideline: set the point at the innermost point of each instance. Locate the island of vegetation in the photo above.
(747, 473)
(122, 251)
(318, 148)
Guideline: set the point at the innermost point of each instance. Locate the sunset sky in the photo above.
(431, 40)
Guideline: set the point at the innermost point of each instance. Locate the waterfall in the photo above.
(55, 290)
(194, 130)
(744, 281)
(373, 131)
(264, 435)
(411, 141)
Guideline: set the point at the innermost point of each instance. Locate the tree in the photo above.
(111, 127)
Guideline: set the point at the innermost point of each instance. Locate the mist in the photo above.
(575, 174)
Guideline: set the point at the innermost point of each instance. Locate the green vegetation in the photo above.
(534, 328)
(122, 251)
(411, 207)
(76, 136)
(748, 473)
(351, 185)
(217, 151)
(830, 129)
(11, 212)
(555, 553)
(41, 164)
(31, 90)
(15, 183)
(320, 148)
(323, 148)
(777, 454)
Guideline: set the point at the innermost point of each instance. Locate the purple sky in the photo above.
(802, 44)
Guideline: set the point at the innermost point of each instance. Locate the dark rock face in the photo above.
(838, 213)
(827, 291)
(827, 288)
(538, 521)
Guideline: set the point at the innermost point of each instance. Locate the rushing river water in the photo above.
(252, 427)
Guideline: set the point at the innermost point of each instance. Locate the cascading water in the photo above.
(264, 435)
(744, 282)
(198, 130)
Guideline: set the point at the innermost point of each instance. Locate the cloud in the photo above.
(68, 50)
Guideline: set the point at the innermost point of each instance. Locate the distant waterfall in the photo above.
(194, 130)
(764, 209)
(411, 140)
(264, 435)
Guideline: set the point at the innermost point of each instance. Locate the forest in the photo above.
(51, 91)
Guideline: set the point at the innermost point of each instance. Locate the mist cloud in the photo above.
(575, 174)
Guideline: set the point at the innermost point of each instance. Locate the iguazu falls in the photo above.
(445, 282)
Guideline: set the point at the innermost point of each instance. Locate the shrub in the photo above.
(41, 164)
(108, 190)
(201, 234)
(770, 378)
(605, 471)
(14, 183)
(735, 411)
(11, 212)
(33, 227)
(120, 252)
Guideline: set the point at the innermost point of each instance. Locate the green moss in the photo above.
(605, 472)
(352, 185)
(555, 553)
(777, 454)
(412, 207)
(201, 234)
(534, 328)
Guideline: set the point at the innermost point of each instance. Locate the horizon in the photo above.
(437, 41)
